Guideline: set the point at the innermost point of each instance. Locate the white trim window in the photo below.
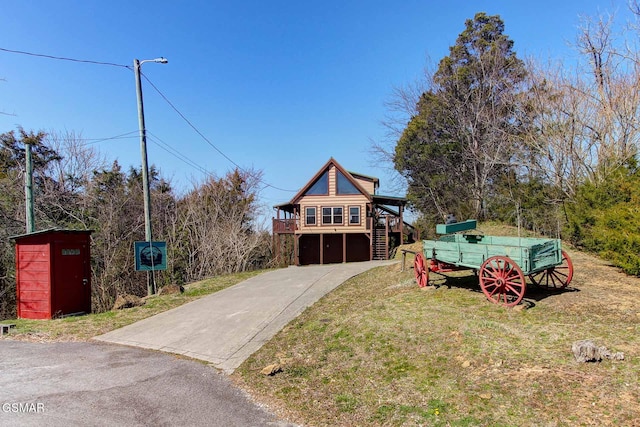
(332, 215)
(310, 215)
(354, 215)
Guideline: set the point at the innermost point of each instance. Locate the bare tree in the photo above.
(62, 193)
(586, 121)
(218, 228)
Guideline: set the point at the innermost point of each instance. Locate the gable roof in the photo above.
(376, 181)
(351, 176)
(323, 169)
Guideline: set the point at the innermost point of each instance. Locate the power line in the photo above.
(189, 122)
(186, 160)
(207, 139)
(123, 136)
(61, 58)
(175, 153)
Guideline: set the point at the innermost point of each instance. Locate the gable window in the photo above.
(354, 215)
(332, 215)
(321, 186)
(310, 215)
(344, 185)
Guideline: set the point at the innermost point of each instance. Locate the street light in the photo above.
(151, 286)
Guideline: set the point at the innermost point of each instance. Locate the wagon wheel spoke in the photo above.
(500, 279)
(490, 282)
(492, 271)
(515, 287)
(420, 270)
(516, 290)
(493, 292)
(512, 276)
(557, 277)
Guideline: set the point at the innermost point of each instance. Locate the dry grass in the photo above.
(381, 351)
(83, 328)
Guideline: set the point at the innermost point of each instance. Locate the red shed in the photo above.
(53, 273)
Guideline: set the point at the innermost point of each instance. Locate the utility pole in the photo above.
(151, 286)
(28, 189)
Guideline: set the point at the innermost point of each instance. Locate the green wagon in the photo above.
(500, 262)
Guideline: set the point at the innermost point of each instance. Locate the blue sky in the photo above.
(279, 86)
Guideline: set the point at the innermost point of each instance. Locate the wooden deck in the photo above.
(285, 226)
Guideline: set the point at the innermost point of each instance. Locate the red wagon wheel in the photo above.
(421, 271)
(557, 277)
(502, 281)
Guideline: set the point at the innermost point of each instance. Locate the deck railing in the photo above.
(284, 226)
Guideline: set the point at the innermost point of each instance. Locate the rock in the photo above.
(271, 370)
(466, 364)
(486, 396)
(588, 351)
(170, 289)
(127, 301)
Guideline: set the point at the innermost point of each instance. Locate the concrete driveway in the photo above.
(225, 328)
(102, 384)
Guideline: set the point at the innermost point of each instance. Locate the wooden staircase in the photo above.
(380, 243)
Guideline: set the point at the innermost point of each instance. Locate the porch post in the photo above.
(386, 232)
(275, 236)
(370, 221)
(401, 225)
(344, 247)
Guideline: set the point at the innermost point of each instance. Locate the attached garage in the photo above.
(309, 246)
(358, 248)
(332, 248)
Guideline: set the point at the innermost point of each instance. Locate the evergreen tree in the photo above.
(466, 130)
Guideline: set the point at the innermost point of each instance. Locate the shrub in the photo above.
(604, 218)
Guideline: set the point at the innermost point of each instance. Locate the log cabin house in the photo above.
(339, 217)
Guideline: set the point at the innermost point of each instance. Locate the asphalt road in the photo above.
(98, 384)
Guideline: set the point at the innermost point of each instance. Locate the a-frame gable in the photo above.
(325, 169)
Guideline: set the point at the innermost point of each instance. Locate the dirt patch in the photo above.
(600, 286)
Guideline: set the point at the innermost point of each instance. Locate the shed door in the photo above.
(71, 288)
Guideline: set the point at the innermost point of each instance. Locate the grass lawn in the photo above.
(381, 351)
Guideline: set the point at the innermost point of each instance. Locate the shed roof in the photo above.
(49, 231)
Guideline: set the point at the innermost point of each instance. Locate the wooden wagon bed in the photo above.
(501, 262)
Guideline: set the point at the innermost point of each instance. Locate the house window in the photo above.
(354, 215)
(310, 214)
(332, 215)
(345, 186)
(320, 187)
